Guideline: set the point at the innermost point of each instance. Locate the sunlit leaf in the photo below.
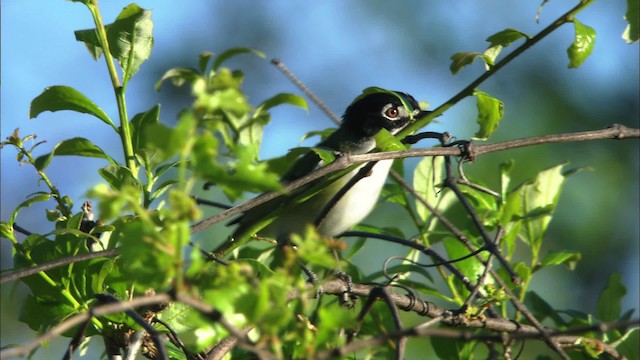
(56, 98)
(385, 141)
(284, 98)
(131, 39)
(568, 258)
(490, 112)
(76, 146)
(630, 34)
(535, 201)
(582, 45)
(427, 179)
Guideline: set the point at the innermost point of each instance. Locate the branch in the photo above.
(616, 131)
(512, 329)
(19, 274)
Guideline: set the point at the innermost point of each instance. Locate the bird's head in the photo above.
(378, 109)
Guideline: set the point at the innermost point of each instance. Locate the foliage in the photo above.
(146, 210)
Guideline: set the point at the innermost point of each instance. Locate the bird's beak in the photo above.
(421, 114)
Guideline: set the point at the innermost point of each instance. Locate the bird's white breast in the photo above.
(352, 207)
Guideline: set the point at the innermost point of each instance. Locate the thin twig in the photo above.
(316, 100)
(19, 274)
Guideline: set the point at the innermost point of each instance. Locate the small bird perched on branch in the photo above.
(326, 206)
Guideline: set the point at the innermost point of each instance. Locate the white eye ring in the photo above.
(394, 112)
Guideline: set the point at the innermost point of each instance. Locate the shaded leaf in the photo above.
(178, 77)
(541, 308)
(39, 197)
(506, 37)
(89, 38)
(56, 98)
(118, 176)
(140, 121)
(224, 56)
(203, 61)
(609, 303)
(462, 59)
(629, 344)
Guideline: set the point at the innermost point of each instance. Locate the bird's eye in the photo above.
(391, 112)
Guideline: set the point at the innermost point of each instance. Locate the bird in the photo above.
(372, 111)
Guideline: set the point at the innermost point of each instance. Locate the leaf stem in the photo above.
(119, 89)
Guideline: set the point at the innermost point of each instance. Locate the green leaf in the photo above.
(161, 189)
(470, 267)
(582, 45)
(462, 59)
(499, 41)
(131, 39)
(541, 308)
(76, 146)
(490, 112)
(385, 141)
(427, 177)
(147, 252)
(90, 40)
(39, 197)
(609, 303)
(284, 98)
(538, 199)
(453, 349)
(630, 34)
(224, 56)
(6, 231)
(118, 176)
(140, 121)
(203, 61)
(568, 258)
(629, 344)
(55, 98)
(325, 154)
(506, 37)
(178, 76)
(41, 313)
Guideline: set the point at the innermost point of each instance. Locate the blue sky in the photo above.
(336, 47)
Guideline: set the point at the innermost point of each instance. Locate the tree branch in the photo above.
(615, 131)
